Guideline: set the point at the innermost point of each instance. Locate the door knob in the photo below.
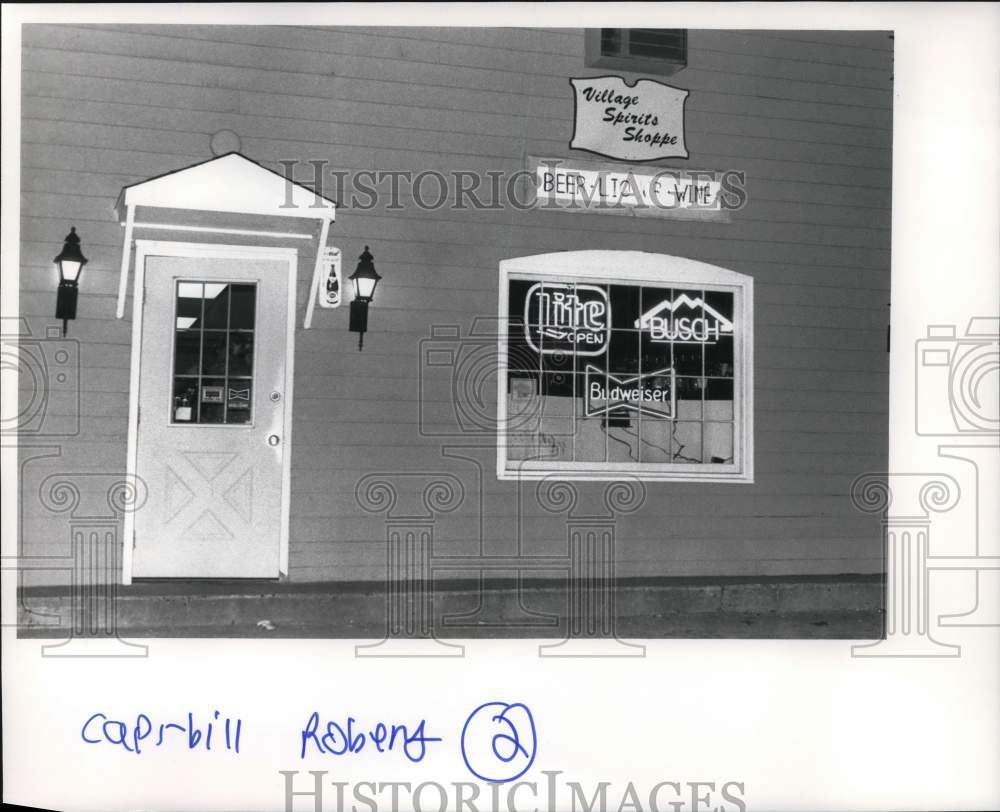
(273, 439)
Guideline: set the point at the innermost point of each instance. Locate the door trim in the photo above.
(164, 248)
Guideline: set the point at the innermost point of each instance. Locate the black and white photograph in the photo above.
(381, 331)
(427, 332)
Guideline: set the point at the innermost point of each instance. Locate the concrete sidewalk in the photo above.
(837, 607)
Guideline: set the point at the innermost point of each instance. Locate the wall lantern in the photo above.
(364, 279)
(70, 261)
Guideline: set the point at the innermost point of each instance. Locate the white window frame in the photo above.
(636, 267)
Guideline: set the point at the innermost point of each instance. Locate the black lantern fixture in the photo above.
(365, 279)
(70, 261)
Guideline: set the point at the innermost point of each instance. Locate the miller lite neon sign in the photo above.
(560, 318)
(685, 320)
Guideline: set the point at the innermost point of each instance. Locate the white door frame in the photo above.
(163, 248)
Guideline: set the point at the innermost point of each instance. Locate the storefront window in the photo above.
(611, 370)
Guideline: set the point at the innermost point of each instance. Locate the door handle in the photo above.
(273, 439)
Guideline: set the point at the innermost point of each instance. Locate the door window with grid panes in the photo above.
(213, 353)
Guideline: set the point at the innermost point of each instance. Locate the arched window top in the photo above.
(621, 265)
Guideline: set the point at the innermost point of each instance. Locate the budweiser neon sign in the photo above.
(650, 394)
(562, 318)
(685, 320)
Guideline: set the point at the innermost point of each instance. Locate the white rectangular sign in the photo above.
(330, 288)
(655, 192)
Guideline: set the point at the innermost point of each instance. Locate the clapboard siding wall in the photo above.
(806, 115)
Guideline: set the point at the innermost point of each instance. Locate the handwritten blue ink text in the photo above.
(134, 734)
(337, 740)
(509, 730)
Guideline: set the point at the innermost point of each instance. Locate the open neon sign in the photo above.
(562, 318)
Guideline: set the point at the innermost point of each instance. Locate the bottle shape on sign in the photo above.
(332, 289)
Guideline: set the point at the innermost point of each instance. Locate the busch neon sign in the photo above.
(567, 318)
(699, 324)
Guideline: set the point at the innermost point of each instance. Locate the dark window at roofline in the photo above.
(660, 51)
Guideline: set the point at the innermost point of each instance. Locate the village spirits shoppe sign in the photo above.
(617, 363)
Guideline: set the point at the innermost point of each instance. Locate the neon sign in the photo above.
(650, 393)
(562, 318)
(701, 324)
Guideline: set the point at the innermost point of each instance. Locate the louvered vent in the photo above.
(644, 50)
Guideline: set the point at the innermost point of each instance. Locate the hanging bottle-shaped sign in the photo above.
(331, 288)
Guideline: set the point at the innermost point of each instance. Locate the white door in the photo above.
(210, 440)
